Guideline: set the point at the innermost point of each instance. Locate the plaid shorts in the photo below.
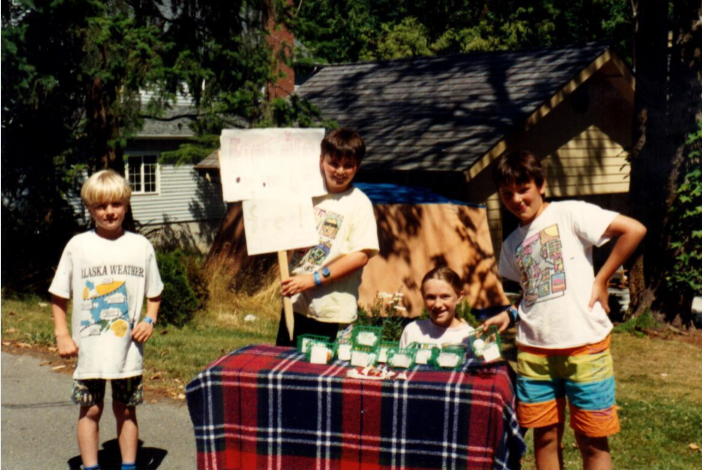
(129, 391)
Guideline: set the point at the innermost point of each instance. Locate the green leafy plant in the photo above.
(178, 300)
(385, 311)
(638, 325)
(685, 216)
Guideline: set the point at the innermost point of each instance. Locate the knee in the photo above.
(592, 445)
(546, 436)
(123, 411)
(93, 412)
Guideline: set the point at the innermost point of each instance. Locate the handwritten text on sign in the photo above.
(270, 163)
(277, 225)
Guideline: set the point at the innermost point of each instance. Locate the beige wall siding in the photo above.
(581, 143)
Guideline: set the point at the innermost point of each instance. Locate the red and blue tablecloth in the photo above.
(266, 407)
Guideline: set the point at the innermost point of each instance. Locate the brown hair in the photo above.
(443, 273)
(518, 167)
(344, 143)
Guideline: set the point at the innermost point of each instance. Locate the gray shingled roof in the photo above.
(179, 127)
(442, 113)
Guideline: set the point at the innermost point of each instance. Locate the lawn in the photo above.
(658, 380)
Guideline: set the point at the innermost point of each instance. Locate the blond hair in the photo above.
(105, 186)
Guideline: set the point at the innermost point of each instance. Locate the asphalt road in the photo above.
(39, 424)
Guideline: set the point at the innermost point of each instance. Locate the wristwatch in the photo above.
(149, 320)
(326, 272)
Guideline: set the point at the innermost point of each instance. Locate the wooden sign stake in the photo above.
(287, 303)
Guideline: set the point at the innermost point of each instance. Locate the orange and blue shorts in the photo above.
(584, 375)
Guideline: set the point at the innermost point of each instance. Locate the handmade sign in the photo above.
(275, 172)
(270, 163)
(274, 225)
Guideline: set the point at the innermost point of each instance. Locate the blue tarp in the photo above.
(386, 193)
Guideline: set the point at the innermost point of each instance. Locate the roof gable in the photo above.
(442, 113)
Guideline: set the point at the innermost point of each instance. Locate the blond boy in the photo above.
(107, 272)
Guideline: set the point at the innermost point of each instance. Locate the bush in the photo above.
(386, 311)
(179, 301)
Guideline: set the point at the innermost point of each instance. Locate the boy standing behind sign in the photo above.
(325, 279)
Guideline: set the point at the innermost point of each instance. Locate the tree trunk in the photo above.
(667, 103)
(648, 175)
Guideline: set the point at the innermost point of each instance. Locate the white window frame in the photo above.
(157, 170)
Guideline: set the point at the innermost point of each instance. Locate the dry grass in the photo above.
(234, 296)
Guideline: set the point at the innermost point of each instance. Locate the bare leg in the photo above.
(89, 433)
(548, 452)
(595, 452)
(127, 430)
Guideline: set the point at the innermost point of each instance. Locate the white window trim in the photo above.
(158, 173)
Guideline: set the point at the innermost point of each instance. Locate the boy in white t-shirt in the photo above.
(107, 272)
(324, 285)
(563, 332)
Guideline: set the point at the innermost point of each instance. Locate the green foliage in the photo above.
(178, 300)
(638, 325)
(385, 311)
(353, 30)
(685, 222)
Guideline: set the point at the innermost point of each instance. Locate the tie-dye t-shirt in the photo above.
(345, 224)
(552, 259)
(108, 281)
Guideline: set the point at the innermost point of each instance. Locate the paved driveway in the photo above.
(39, 424)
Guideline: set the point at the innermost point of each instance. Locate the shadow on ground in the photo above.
(148, 458)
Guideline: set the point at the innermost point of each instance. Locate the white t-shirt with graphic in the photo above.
(552, 260)
(424, 331)
(108, 281)
(345, 224)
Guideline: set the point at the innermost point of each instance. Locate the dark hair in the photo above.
(518, 167)
(344, 143)
(443, 273)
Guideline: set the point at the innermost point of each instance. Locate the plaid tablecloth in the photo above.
(265, 407)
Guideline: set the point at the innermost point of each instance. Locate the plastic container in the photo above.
(448, 358)
(319, 352)
(486, 345)
(383, 349)
(344, 349)
(367, 336)
(362, 356)
(423, 352)
(401, 358)
(304, 340)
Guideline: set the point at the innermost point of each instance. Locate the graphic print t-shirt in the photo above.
(552, 260)
(345, 224)
(108, 281)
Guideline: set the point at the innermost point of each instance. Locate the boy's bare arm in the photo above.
(143, 331)
(64, 342)
(629, 233)
(339, 268)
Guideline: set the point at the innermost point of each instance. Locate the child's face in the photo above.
(441, 301)
(524, 200)
(338, 173)
(108, 217)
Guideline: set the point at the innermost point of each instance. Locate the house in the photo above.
(171, 202)
(441, 122)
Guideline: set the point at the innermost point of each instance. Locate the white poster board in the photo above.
(270, 163)
(279, 224)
